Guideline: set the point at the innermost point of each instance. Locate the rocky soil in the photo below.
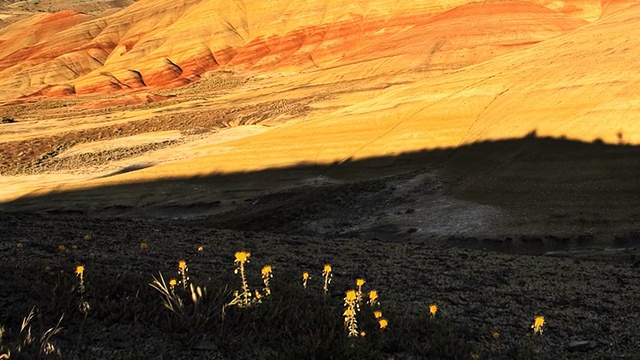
(588, 295)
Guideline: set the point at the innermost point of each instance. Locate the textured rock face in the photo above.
(159, 44)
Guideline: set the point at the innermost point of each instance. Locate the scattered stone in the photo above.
(206, 346)
(6, 120)
(580, 345)
(606, 342)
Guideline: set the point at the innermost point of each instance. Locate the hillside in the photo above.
(308, 85)
(483, 157)
(163, 44)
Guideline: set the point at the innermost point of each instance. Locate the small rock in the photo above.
(206, 346)
(580, 345)
(605, 342)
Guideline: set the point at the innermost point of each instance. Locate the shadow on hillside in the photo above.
(546, 185)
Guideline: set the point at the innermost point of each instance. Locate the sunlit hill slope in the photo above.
(318, 82)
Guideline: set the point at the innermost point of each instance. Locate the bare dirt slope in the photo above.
(576, 83)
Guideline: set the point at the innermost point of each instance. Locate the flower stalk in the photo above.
(350, 321)
(327, 274)
(267, 274)
(244, 298)
(182, 271)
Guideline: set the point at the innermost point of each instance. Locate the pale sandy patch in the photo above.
(14, 187)
(124, 142)
(196, 148)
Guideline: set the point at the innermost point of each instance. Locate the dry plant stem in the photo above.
(359, 296)
(26, 338)
(245, 287)
(170, 300)
(81, 284)
(46, 347)
(83, 306)
(26, 335)
(7, 354)
(196, 293)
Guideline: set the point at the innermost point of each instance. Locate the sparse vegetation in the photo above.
(288, 315)
(284, 320)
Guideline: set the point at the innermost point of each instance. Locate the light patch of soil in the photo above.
(13, 11)
(123, 142)
(37, 154)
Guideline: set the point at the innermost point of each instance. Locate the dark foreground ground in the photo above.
(590, 299)
(495, 234)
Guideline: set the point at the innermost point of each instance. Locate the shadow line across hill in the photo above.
(546, 185)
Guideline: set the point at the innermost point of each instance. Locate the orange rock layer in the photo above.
(160, 44)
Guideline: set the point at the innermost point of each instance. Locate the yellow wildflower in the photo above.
(538, 323)
(62, 248)
(79, 269)
(360, 282)
(326, 272)
(351, 295)
(182, 271)
(200, 248)
(144, 246)
(349, 312)
(266, 270)
(363, 333)
(377, 314)
(173, 282)
(327, 269)
(383, 323)
(242, 256)
(305, 275)
(373, 297)
(433, 309)
(496, 335)
(182, 264)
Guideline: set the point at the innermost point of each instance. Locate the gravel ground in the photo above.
(589, 299)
